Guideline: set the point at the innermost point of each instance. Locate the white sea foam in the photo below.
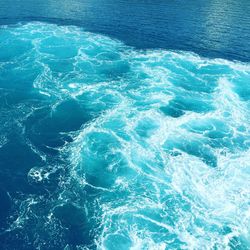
(163, 159)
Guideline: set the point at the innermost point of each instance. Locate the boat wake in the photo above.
(108, 147)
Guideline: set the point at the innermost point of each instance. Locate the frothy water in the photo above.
(106, 147)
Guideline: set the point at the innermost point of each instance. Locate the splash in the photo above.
(126, 149)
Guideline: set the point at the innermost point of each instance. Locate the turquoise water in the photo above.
(104, 146)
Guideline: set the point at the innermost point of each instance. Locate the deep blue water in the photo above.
(211, 28)
(121, 129)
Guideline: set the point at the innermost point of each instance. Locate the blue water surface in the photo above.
(211, 28)
(113, 138)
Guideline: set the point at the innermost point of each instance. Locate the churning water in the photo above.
(107, 147)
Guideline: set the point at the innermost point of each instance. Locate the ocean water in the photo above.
(105, 146)
(211, 28)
